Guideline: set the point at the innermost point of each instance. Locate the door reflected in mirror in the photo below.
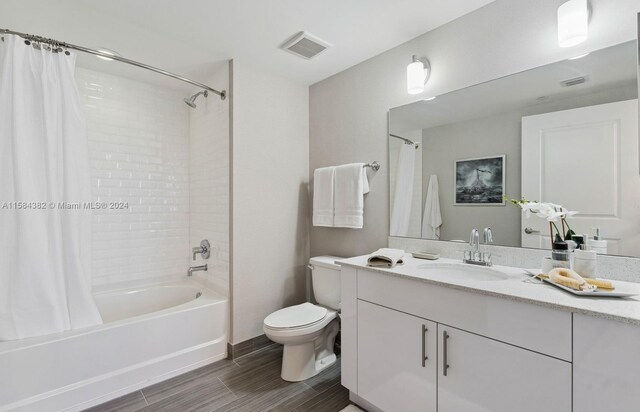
(565, 133)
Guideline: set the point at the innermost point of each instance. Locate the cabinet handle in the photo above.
(424, 345)
(445, 365)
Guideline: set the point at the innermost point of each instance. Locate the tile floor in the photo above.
(250, 383)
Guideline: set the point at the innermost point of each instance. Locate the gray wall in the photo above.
(488, 136)
(348, 111)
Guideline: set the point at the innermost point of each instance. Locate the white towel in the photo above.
(350, 187)
(323, 196)
(432, 219)
(385, 258)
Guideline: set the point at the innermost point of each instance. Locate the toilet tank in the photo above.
(325, 277)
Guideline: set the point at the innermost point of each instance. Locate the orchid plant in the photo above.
(551, 212)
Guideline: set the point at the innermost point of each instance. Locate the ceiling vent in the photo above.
(305, 45)
(573, 82)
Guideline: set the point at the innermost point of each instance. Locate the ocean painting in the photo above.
(480, 181)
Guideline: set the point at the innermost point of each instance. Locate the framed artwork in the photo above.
(480, 181)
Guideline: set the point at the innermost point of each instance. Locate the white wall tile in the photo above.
(139, 151)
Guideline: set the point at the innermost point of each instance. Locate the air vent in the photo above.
(573, 82)
(305, 45)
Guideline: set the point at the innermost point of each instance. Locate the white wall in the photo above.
(348, 111)
(270, 204)
(138, 146)
(209, 175)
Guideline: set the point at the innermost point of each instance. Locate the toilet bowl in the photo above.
(308, 331)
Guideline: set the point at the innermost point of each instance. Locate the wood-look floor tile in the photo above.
(327, 378)
(127, 403)
(203, 397)
(208, 373)
(333, 399)
(291, 403)
(266, 396)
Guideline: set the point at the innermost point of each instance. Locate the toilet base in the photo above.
(303, 361)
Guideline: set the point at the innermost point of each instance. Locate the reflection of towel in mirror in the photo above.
(432, 220)
(385, 258)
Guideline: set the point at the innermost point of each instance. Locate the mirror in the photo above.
(565, 133)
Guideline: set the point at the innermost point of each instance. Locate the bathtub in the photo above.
(150, 333)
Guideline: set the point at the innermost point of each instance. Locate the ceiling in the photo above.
(192, 37)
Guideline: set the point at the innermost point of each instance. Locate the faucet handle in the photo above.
(474, 235)
(487, 235)
(204, 249)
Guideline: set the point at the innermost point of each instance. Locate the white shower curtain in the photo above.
(401, 211)
(45, 252)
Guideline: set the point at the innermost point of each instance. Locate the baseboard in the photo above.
(248, 346)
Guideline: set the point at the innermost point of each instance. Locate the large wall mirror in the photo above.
(565, 133)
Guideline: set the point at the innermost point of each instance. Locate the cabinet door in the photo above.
(606, 365)
(485, 375)
(396, 359)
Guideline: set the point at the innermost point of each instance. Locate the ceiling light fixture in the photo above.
(418, 73)
(573, 22)
(107, 51)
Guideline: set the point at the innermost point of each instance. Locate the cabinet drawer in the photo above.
(529, 326)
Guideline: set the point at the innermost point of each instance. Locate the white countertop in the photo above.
(515, 288)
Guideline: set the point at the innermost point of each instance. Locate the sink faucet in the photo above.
(474, 256)
(196, 269)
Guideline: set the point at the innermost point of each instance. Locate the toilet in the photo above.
(308, 331)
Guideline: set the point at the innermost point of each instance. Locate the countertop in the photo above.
(517, 286)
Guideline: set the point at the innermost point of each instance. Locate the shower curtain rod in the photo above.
(407, 141)
(39, 39)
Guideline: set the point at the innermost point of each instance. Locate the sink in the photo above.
(462, 272)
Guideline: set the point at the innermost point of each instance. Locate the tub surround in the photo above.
(415, 341)
(618, 268)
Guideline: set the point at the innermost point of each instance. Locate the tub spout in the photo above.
(196, 269)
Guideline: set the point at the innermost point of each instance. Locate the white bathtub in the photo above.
(149, 334)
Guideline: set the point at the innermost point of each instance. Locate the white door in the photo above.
(396, 359)
(485, 375)
(585, 159)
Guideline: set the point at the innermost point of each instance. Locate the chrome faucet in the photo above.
(474, 256)
(204, 249)
(192, 269)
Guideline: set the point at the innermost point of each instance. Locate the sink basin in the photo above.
(462, 272)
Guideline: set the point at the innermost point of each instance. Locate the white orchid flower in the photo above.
(549, 211)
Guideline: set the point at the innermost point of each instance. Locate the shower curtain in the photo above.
(401, 211)
(45, 248)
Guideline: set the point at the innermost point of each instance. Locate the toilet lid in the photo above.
(295, 316)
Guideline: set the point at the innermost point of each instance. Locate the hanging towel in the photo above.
(403, 194)
(432, 220)
(323, 189)
(385, 258)
(350, 187)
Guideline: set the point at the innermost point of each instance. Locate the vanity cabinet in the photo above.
(483, 374)
(396, 359)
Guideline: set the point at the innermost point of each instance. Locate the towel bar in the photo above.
(375, 166)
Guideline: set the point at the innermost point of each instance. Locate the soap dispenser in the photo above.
(597, 244)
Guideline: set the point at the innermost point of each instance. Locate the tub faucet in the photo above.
(202, 268)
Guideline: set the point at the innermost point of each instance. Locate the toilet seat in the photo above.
(296, 317)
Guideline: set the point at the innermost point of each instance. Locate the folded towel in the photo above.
(432, 219)
(385, 258)
(323, 197)
(350, 187)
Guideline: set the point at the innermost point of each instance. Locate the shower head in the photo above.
(191, 101)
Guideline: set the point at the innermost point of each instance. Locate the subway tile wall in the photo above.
(139, 149)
